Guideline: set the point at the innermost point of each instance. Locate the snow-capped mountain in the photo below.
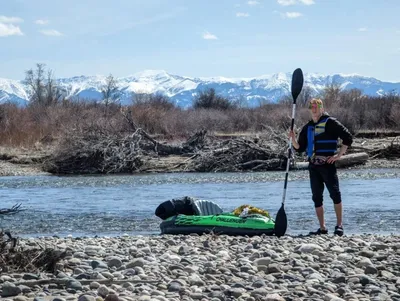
(182, 89)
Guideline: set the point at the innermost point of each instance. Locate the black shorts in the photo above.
(321, 175)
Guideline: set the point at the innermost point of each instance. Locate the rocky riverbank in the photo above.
(209, 267)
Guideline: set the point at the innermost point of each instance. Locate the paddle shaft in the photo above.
(289, 154)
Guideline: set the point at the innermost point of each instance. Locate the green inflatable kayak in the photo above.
(189, 215)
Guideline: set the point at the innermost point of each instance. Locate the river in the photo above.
(113, 205)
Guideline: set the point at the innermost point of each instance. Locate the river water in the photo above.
(113, 205)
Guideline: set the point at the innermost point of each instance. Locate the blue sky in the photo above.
(230, 38)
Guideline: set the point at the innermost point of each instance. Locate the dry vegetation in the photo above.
(89, 136)
(43, 124)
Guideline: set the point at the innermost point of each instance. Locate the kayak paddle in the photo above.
(281, 219)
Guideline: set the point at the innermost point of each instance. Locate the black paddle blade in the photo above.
(280, 222)
(297, 83)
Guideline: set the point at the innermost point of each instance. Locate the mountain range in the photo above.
(182, 89)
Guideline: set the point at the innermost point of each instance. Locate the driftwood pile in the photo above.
(13, 259)
(382, 148)
(94, 151)
(241, 154)
(30, 260)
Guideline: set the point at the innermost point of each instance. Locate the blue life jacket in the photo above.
(319, 142)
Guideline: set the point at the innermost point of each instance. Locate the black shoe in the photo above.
(319, 232)
(338, 231)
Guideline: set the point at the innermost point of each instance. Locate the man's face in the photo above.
(316, 109)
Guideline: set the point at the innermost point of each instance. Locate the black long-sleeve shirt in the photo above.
(334, 128)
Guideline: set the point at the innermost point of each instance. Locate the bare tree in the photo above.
(331, 95)
(44, 90)
(110, 91)
(35, 80)
(53, 92)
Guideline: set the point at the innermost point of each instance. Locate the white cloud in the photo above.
(4, 19)
(42, 22)
(293, 2)
(9, 30)
(292, 15)
(242, 15)
(51, 32)
(253, 2)
(362, 29)
(307, 2)
(209, 36)
(287, 2)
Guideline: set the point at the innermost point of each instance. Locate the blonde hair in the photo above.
(317, 101)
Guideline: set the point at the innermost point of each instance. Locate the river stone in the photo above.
(9, 289)
(195, 279)
(86, 298)
(364, 262)
(331, 297)
(370, 269)
(259, 292)
(274, 268)
(111, 297)
(174, 286)
(367, 253)
(20, 298)
(103, 291)
(139, 262)
(258, 283)
(337, 249)
(94, 285)
(98, 264)
(274, 297)
(114, 262)
(386, 274)
(74, 285)
(309, 248)
(379, 246)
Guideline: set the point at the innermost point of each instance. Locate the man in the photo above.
(319, 139)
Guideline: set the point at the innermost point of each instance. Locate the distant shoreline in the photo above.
(27, 162)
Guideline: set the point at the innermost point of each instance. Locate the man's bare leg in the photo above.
(339, 214)
(320, 215)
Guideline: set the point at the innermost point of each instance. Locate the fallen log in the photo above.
(344, 161)
(255, 165)
(377, 134)
(352, 159)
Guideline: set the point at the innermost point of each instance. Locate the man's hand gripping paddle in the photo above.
(281, 219)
